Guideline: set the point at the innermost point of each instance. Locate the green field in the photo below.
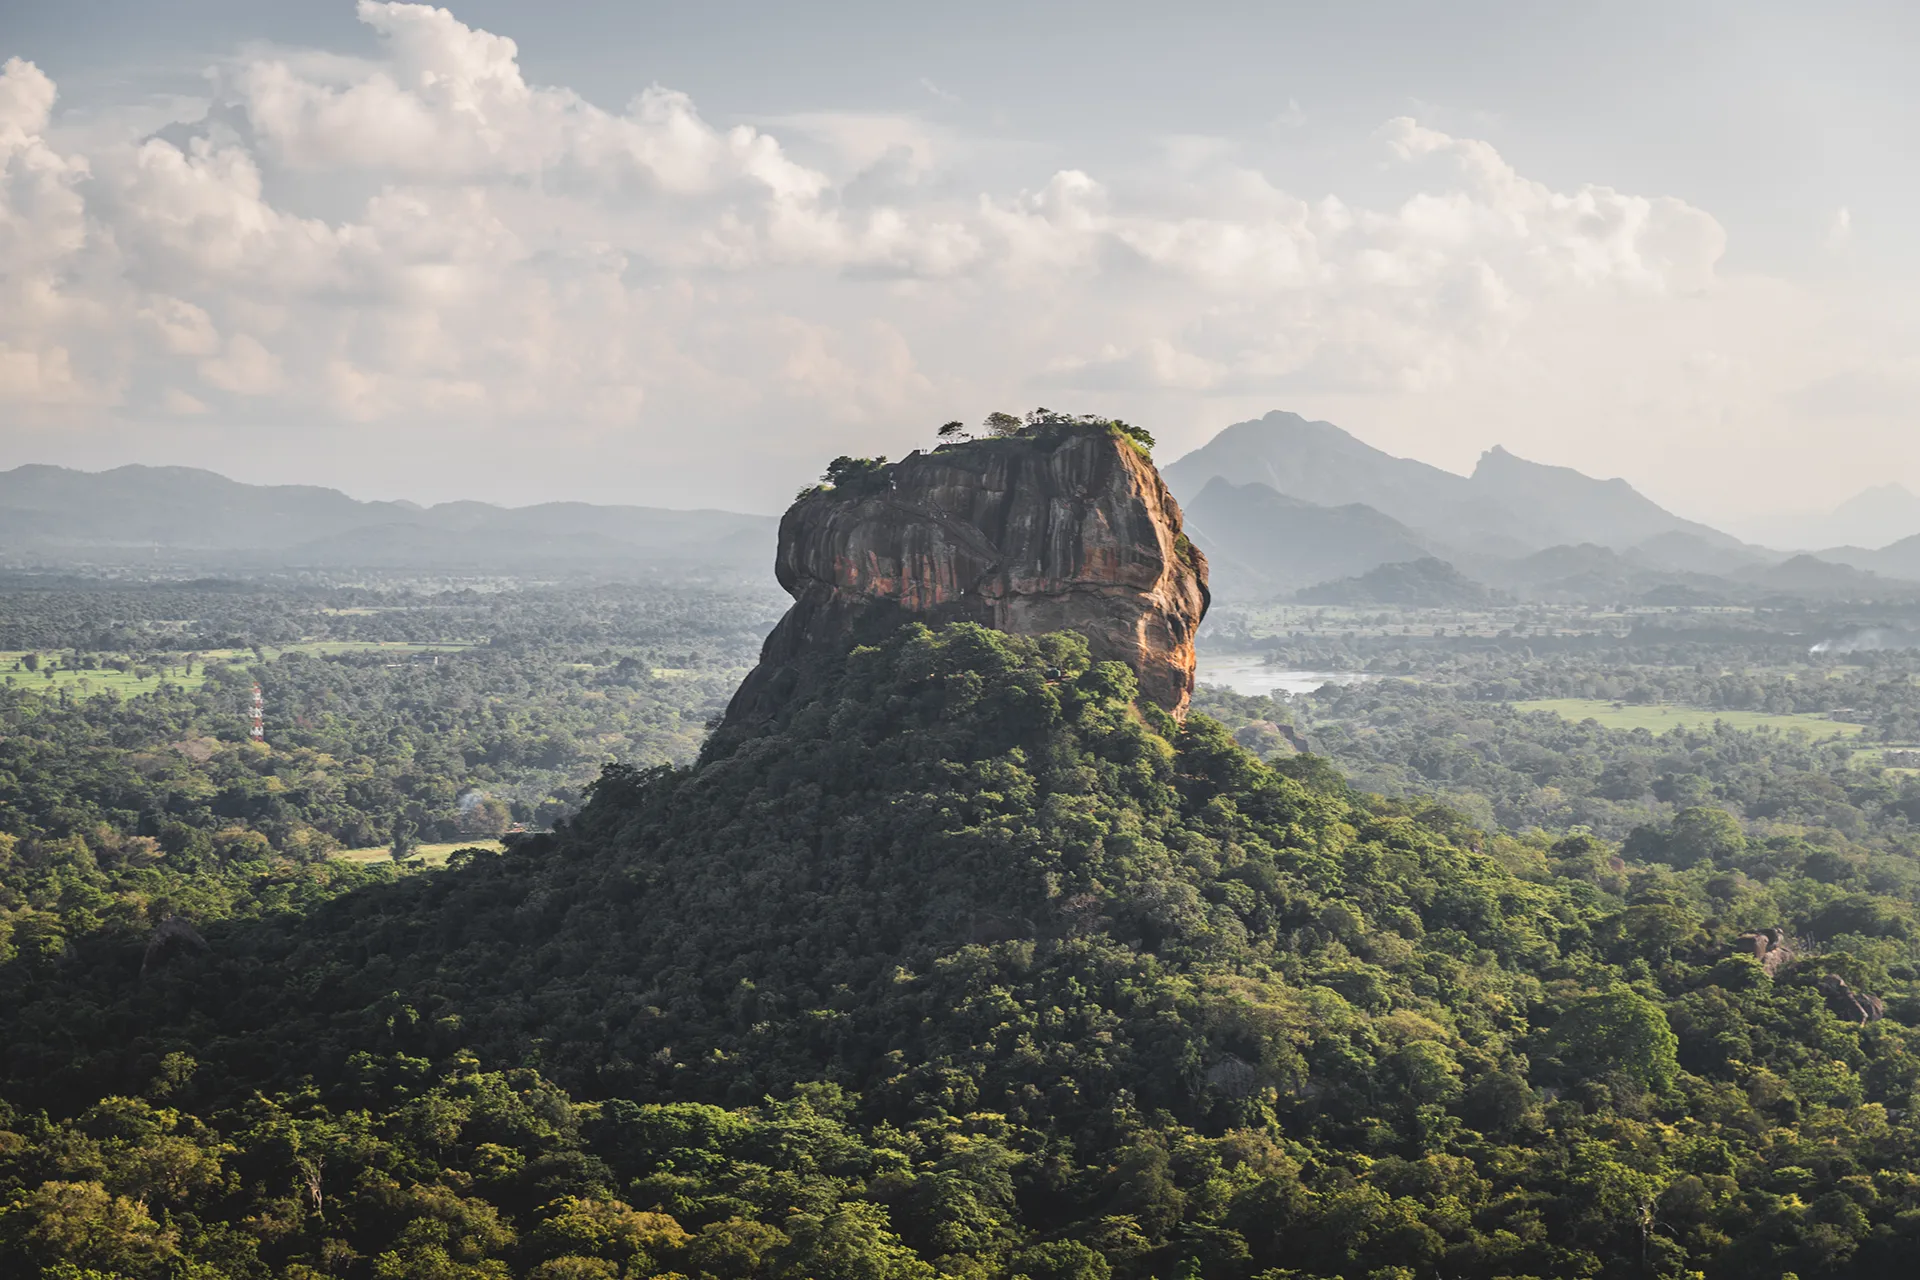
(1877, 756)
(398, 648)
(85, 684)
(1662, 717)
(434, 855)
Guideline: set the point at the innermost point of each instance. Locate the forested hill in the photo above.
(966, 965)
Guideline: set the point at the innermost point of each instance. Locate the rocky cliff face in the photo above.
(1068, 529)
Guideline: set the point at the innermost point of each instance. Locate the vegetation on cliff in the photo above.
(1041, 422)
(966, 964)
(847, 476)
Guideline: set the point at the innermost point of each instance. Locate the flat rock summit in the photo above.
(1067, 527)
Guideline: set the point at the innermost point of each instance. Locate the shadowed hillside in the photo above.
(1263, 542)
(1415, 584)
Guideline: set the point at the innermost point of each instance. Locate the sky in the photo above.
(681, 255)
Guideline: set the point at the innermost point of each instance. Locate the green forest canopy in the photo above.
(966, 965)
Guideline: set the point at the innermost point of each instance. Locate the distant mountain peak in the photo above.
(1220, 488)
(1892, 500)
(1501, 460)
(1292, 428)
(1508, 507)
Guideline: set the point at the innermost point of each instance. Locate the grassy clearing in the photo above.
(84, 684)
(1878, 756)
(435, 855)
(398, 648)
(1661, 717)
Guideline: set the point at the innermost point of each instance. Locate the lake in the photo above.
(1246, 673)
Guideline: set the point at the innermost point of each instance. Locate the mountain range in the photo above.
(140, 514)
(1507, 507)
(1281, 503)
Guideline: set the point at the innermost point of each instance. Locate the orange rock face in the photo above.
(1069, 530)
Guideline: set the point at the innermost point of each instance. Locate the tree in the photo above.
(81, 1222)
(1618, 1031)
(854, 474)
(485, 816)
(852, 1242)
(1139, 435)
(1703, 834)
(955, 430)
(1001, 424)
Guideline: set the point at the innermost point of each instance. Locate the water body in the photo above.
(1246, 673)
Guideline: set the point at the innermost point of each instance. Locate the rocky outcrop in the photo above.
(1064, 529)
(1848, 1003)
(1770, 948)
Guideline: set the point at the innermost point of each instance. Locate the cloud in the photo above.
(937, 91)
(245, 368)
(1839, 230)
(1594, 236)
(424, 239)
(1885, 390)
(46, 313)
(175, 401)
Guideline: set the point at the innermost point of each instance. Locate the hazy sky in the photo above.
(682, 254)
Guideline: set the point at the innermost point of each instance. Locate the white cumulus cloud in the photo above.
(425, 240)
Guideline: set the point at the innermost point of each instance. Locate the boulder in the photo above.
(1848, 1003)
(1770, 948)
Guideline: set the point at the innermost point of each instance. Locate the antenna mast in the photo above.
(259, 730)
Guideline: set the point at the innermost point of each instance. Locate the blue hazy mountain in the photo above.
(56, 515)
(1260, 541)
(1509, 506)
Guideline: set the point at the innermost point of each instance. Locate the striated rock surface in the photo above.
(1066, 529)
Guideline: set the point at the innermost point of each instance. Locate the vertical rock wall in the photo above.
(1068, 529)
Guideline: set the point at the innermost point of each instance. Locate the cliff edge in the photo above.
(1065, 528)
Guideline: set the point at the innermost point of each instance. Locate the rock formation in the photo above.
(1770, 948)
(1848, 1003)
(1067, 528)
